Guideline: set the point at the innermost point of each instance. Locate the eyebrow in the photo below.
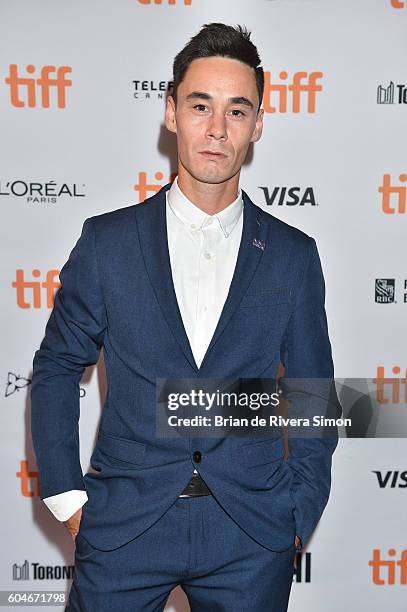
(205, 96)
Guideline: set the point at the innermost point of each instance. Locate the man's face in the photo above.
(216, 118)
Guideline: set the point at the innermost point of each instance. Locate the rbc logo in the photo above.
(384, 290)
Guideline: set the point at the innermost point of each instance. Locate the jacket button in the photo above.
(197, 456)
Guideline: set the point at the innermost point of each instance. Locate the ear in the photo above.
(258, 127)
(170, 120)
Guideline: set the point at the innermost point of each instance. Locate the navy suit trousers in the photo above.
(195, 544)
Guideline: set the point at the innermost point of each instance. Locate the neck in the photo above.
(209, 197)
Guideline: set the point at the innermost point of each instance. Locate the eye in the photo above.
(200, 106)
(236, 110)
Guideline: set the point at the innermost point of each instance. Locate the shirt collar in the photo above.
(195, 218)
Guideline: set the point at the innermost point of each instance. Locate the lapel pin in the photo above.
(258, 243)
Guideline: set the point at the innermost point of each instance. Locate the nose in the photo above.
(217, 126)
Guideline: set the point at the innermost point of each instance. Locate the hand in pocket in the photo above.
(73, 523)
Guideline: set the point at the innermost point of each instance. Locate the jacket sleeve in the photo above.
(73, 337)
(309, 386)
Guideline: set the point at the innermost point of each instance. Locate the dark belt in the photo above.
(196, 486)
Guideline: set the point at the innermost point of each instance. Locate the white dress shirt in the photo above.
(203, 251)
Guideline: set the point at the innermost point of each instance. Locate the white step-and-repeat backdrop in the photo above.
(82, 97)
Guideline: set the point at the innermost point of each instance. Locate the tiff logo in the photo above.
(303, 84)
(399, 191)
(397, 4)
(29, 86)
(393, 385)
(20, 285)
(25, 476)
(144, 188)
(389, 578)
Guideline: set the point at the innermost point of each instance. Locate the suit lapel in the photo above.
(152, 229)
(252, 244)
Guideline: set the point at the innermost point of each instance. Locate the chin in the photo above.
(212, 178)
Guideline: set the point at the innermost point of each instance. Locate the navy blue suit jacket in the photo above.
(117, 293)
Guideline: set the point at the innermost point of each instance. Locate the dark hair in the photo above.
(218, 39)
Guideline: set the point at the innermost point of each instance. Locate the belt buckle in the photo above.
(196, 487)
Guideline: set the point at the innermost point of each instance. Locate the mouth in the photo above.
(216, 155)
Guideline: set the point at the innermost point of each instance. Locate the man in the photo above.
(195, 282)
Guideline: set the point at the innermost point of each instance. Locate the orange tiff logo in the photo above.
(24, 89)
(185, 2)
(21, 286)
(399, 193)
(144, 187)
(385, 572)
(26, 475)
(388, 389)
(303, 86)
(397, 4)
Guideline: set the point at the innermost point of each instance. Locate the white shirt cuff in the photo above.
(64, 505)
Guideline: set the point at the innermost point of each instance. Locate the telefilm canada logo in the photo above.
(151, 89)
(36, 571)
(393, 93)
(40, 192)
(289, 196)
(385, 291)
